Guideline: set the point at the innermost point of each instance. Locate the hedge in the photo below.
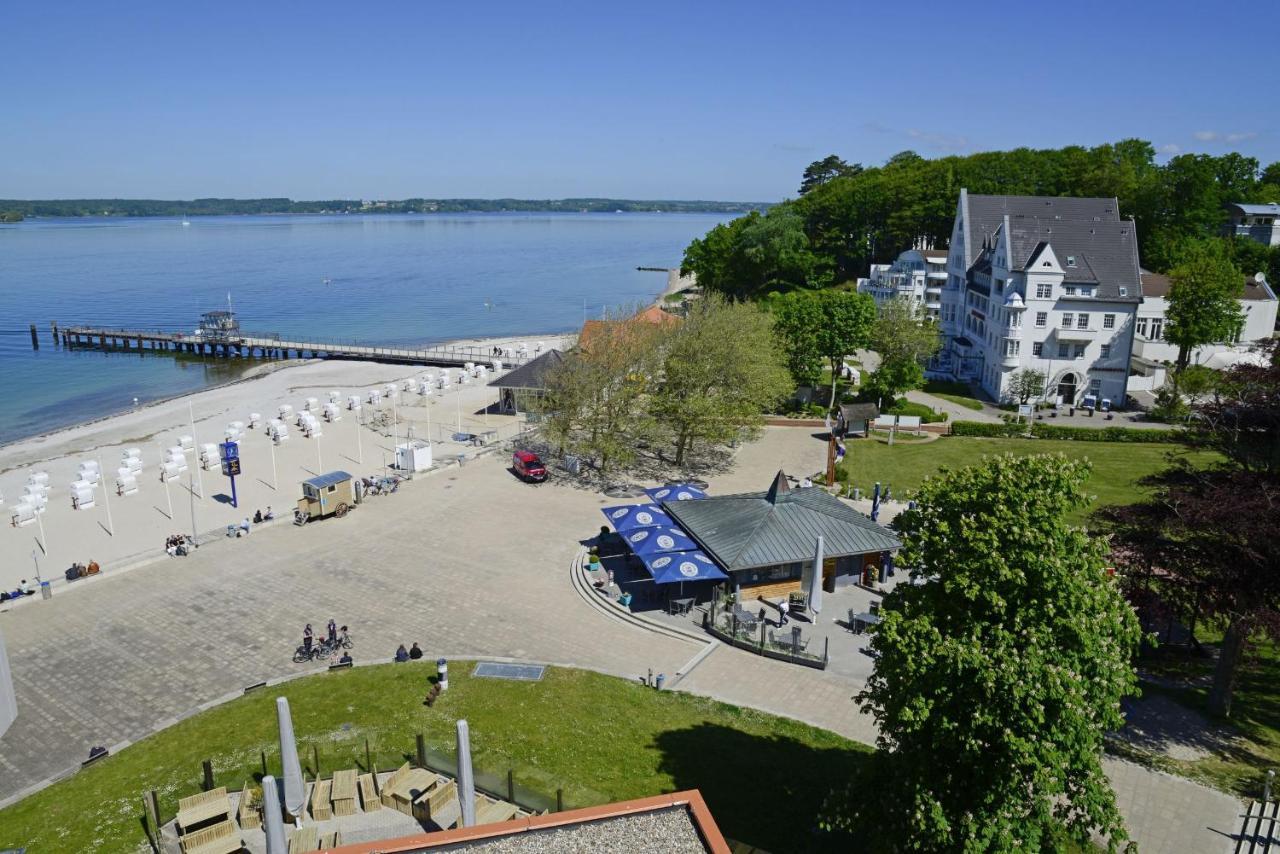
(1057, 431)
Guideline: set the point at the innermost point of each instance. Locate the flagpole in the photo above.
(111, 526)
(191, 413)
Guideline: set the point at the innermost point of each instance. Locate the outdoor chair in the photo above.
(321, 809)
(369, 793)
(220, 838)
(304, 839)
(875, 608)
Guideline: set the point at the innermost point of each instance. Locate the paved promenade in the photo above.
(468, 562)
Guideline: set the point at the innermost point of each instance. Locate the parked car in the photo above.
(528, 467)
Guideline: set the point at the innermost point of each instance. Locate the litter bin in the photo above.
(442, 674)
(662, 678)
(46, 592)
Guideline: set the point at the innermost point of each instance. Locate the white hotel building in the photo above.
(917, 274)
(1046, 283)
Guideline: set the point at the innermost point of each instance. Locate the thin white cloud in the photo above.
(1234, 136)
(941, 141)
(1169, 148)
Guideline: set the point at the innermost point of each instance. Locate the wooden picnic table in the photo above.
(344, 792)
(197, 809)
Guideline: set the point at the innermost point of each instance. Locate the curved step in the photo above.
(578, 578)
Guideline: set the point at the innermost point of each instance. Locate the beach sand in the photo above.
(140, 523)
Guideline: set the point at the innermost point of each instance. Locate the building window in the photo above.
(1124, 292)
(1079, 351)
(1082, 321)
(1037, 348)
(1069, 290)
(1141, 327)
(1042, 319)
(1064, 350)
(1071, 260)
(1095, 387)
(1012, 348)
(1108, 321)
(1044, 291)
(1157, 328)
(1106, 351)
(1067, 318)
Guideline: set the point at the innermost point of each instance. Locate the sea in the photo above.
(381, 279)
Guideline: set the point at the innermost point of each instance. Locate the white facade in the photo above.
(1047, 284)
(1256, 222)
(1257, 305)
(917, 274)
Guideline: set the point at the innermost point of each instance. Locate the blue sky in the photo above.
(654, 100)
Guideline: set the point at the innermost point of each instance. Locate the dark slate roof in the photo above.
(852, 412)
(750, 530)
(986, 213)
(1157, 285)
(532, 374)
(1106, 253)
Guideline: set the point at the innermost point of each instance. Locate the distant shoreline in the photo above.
(36, 209)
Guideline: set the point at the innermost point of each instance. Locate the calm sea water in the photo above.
(382, 279)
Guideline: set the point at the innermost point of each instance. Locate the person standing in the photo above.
(333, 631)
(308, 637)
(783, 609)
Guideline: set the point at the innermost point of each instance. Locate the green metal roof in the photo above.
(779, 526)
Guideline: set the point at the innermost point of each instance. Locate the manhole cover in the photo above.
(518, 672)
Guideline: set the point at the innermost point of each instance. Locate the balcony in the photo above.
(1074, 334)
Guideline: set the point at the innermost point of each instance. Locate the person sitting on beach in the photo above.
(346, 658)
(402, 654)
(268, 516)
(245, 527)
(25, 588)
(257, 517)
(92, 568)
(415, 652)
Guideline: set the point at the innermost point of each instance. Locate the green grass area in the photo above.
(902, 406)
(599, 738)
(1117, 467)
(1248, 744)
(954, 392)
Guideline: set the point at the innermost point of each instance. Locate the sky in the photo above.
(653, 100)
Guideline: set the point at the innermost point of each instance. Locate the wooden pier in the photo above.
(261, 346)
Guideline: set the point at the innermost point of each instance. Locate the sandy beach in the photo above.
(137, 524)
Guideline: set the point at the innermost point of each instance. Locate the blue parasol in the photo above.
(628, 517)
(676, 492)
(681, 567)
(656, 541)
(875, 503)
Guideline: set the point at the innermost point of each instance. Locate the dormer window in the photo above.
(1071, 260)
(1124, 292)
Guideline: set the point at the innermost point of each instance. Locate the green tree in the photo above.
(798, 316)
(827, 169)
(1204, 303)
(1026, 383)
(721, 372)
(905, 339)
(823, 325)
(996, 679)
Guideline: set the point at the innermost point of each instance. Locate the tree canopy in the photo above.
(905, 339)
(1203, 301)
(997, 677)
(845, 220)
(822, 325)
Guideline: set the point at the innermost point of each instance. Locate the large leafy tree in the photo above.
(823, 325)
(905, 339)
(1204, 303)
(1026, 383)
(1208, 541)
(721, 371)
(827, 169)
(996, 678)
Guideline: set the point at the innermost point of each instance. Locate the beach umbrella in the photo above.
(466, 779)
(875, 503)
(628, 517)
(272, 821)
(679, 567)
(295, 793)
(815, 583)
(676, 492)
(656, 541)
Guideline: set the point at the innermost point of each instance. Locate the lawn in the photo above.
(1117, 467)
(599, 738)
(1250, 744)
(955, 392)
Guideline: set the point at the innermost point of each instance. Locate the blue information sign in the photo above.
(230, 453)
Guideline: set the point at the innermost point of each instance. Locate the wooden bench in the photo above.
(406, 786)
(201, 808)
(489, 811)
(304, 839)
(344, 793)
(439, 805)
(220, 838)
(369, 793)
(321, 810)
(247, 812)
(331, 840)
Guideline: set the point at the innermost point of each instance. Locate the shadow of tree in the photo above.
(770, 791)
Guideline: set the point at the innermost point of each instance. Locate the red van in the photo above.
(528, 467)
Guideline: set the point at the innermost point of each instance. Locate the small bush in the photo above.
(1055, 431)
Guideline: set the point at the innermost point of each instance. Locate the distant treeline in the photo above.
(219, 207)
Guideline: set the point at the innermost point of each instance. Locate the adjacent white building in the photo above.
(917, 274)
(1047, 283)
(1256, 222)
(8, 700)
(1152, 353)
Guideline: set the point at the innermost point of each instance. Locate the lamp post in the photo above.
(106, 501)
(199, 477)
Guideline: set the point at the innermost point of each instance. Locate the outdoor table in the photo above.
(681, 606)
(861, 621)
(344, 792)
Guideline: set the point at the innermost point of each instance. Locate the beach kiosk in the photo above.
(331, 494)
